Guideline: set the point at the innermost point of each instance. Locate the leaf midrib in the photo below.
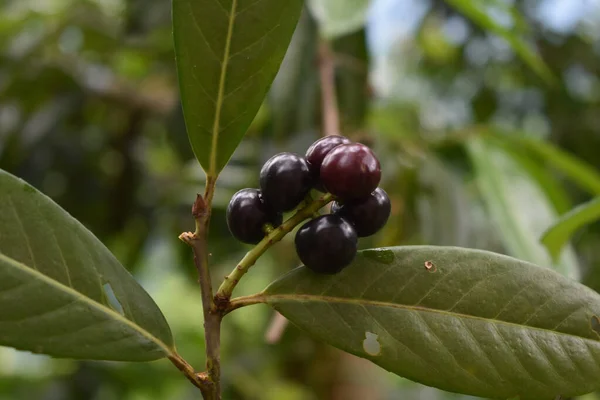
(221, 93)
(362, 302)
(79, 296)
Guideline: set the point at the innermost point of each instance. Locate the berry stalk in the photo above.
(226, 289)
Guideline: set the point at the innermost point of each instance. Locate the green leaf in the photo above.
(462, 320)
(580, 172)
(477, 11)
(559, 234)
(339, 17)
(228, 52)
(517, 204)
(63, 293)
(539, 172)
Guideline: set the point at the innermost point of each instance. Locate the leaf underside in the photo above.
(228, 52)
(62, 292)
(462, 320)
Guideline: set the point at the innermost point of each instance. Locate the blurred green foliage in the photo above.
(478, 150)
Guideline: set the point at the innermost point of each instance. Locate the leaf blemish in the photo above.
(429, 266)
(380, 255)
(113, 302)
(371, 344)
(595, 324)
(28, 188)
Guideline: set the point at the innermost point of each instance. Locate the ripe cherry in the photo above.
(368, 216)
(326, 244)
(317, 152)
(351, 172)
(247, 214)
(285, 180)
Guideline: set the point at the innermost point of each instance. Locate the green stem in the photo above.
(226, 289)
(244, 301)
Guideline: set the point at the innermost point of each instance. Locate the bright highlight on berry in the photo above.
(328, 243)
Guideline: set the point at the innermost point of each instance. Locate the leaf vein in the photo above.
(397, 340)
(485, 354)
(442, 279)
(537, 310)
(302, 298)
(568, 316)
(249, 6)
(476, 285)
(514, 297)
(93, 304)
(220, 94)
(518, 361)
(199, 29)
(20, 223)
(257, 41)
(42, 314)
(545, 356)
(442, 345)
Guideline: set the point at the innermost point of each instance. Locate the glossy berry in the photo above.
(367, 216)
(351, 172)
(284, 181)
(247, 214)
(326, 244)
(317, 152)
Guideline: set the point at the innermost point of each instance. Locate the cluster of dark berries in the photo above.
(328, 243)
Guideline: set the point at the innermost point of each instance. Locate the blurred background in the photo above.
(484, 113)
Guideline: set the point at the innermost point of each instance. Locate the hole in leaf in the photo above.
(113, 302)
(429, 266)
(595, 324)
(371, 344)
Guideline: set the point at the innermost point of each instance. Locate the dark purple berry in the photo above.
(317, 152)
(326, 244)
(351, 172)
(247, 214)
(285, 180)
(367, 216)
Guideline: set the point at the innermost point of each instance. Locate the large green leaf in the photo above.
(228, 52)
(339, 17)
(462, 320)
(62, 292)
(478, 11)
(559, 234)
(517, 204)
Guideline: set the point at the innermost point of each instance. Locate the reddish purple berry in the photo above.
(350, 172)
(317, 152)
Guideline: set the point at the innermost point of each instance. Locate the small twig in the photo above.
(201, 211)
(244, 301)
(226, 289)
(331, 114)
(199, 380)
